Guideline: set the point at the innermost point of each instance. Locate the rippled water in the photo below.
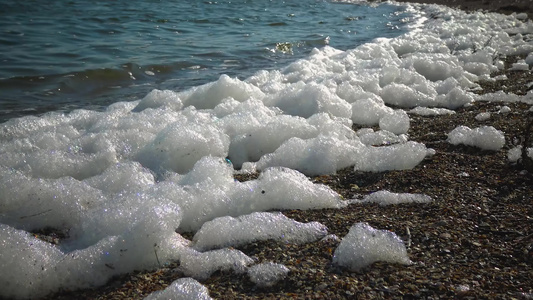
(61, 55)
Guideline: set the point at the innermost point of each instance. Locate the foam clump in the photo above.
(483, 116)
(44, 268)
(385, 197)
(209, 191)
(364, 245)
(501, 96)
(267, 274)
(515, 153)
(283, 188)
(184, 289)
(316, 156)
(426, 111)
(122, 177)
(456, 98)
(169, 152)
(158, 98)
(529, 59)
(267, 138)
(200, 265)
(318, 99)
(395, 157)
(520, 65)
(326, 155)
(141, 224)
(368, 111)
(485, 137)
(209, 95)
(368, 137)
(396, 122)
(402, 95)
(228, 231)
(26, 262)
(40, 203)
(504, 110)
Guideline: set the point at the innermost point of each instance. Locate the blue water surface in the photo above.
(62, 55)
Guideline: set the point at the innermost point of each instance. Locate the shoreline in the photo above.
(499, 6)
(473, 241)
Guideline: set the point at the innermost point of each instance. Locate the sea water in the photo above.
(62, 55)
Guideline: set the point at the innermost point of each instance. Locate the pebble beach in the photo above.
(472, 239)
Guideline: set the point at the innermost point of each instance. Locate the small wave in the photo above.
(354, 18)
(91, 81)
(201, 21)
(278, 24)
(315, 41)
(6, 41)
(94, 88)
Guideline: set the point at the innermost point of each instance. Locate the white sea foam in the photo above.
(388, 198)
(483, 116)
(379, 138)
(228, 231)
(121, 182)
(484, 137)
(267, 274)
(426, 111)
(515, 153)
(364, 245)
(504, 109)
(200, 265)
(183, 289)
